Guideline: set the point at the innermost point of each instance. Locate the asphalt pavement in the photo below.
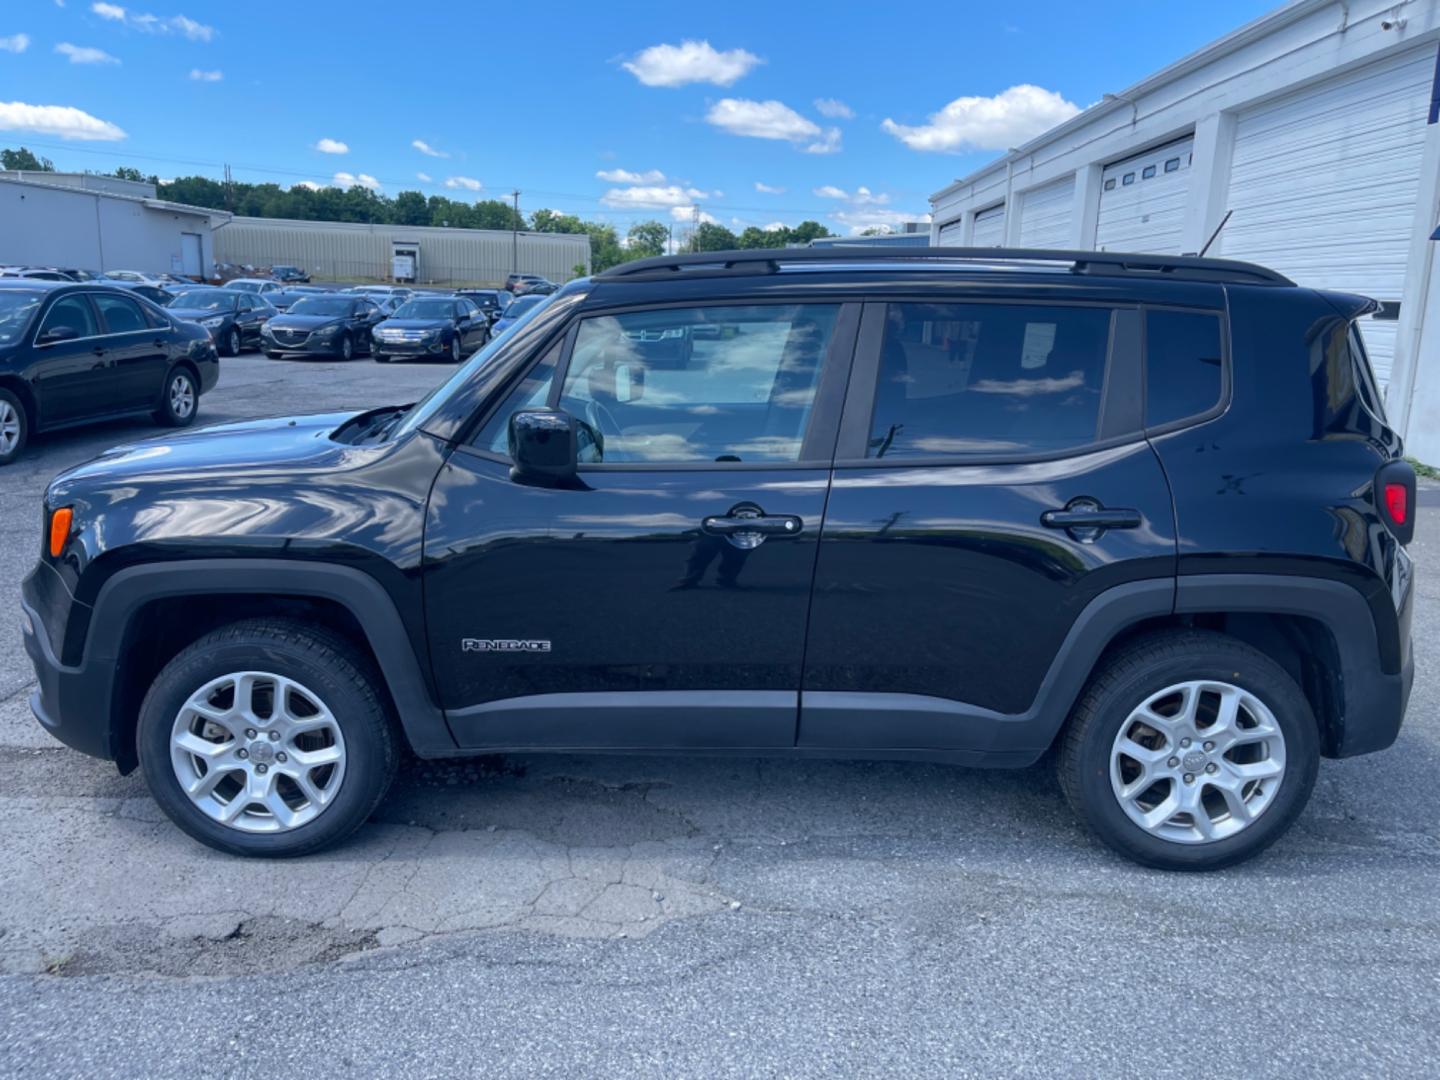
(579, 916)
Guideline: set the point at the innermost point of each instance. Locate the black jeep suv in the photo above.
(942, 505)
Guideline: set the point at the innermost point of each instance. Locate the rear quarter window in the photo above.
(1184, 365)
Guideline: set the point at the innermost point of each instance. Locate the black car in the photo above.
(492, 302)
(71, 354)
(282, 299)
(519, 284)
(234, 319)
(289, 274)
(965, 506)
(155, 294)
(437, 326)
(336, 324)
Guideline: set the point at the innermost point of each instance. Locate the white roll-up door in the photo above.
(1323, 185)
(1142, 201)
(990, 227)
(952, 233)
(1045, 214)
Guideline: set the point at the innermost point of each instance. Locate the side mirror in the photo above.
(545, 448)
(58, 333)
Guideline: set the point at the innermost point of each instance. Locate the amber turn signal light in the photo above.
(60, 522)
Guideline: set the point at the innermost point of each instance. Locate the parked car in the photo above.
(381, 292)
(959, 506)
(289, 275)
(283, 298)
(36, 273)
(448, 326)
(253, 285)
(492, 302)
(72, 354)
(514, 311)
(154, 293)
(336, 324)
(234, 319)
(518, 284)
(133, 277)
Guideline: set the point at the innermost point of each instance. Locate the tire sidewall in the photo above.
(1251, 672)
(360, 724)
(346, 349)
(19, 407)
(167, 408)
(233, 342)
(455, 350)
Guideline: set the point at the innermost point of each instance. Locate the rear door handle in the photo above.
(1085, 519)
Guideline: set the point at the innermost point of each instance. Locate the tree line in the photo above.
(359, 204)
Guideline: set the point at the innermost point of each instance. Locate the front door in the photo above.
(73, 377)
(664, 603)
(992, 479)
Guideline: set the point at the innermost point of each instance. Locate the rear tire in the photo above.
(179, 399)
(232, 342)
(346, 349)
(14, 427)
(329, 688)
(1131, 783)
(455, 349)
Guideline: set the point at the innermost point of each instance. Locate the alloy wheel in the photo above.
(258, 752)
(10, 425)
(182, 397)
(1198, 762)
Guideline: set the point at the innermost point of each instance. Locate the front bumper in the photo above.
(404, 347)
(329, 346)
(71, 703)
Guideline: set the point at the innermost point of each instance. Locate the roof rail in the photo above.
(1099, 263)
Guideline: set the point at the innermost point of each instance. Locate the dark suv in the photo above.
(942, 505)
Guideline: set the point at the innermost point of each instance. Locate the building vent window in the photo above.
(1110, 184)
(1173, 165)
(1148, 173)
(1128, 179)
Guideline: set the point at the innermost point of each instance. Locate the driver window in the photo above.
(74, 312)
(675, 385)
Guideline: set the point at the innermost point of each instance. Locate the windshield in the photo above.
(333, 306)
(203, 300)
(524, 305)
(426, 406)
(426, 309)
(16, 307)
(244, 286)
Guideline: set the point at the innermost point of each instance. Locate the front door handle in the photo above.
(1085, 519)
(747, 526)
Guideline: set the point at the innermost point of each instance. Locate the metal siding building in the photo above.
(331, 250)
(99, 223)
(1312, 127)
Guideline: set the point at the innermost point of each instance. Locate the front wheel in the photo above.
(346, 350)
(455, 349)
(1190, 751)
(268, 738)
(232, 342)
(180, 400)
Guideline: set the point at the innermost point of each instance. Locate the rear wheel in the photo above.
(455, 349)
(346, 348)
(232, 342)
(1190, 751)
(267, 738)
(14, 427)
(180, 400)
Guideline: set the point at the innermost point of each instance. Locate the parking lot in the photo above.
(649, 916)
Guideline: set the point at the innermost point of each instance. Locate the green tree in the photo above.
(647, 239)
(807, 231)
(409, 209)
(24, 161)
(127, 172)
(712, 237)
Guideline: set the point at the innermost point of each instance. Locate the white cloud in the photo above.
(624, 176)
(862, 196)
(469, 183)
(1011, 117)
(857, 221)
(828, 191)
(155, 24)
(652, 197)
(690, 62)
(427, 149)
(63, 121)
(331, 146)
(828, 143)
(349, 180)
(834, 108)
(773, 226)
(761, 120)
(424, 178)
(766, 189)
(206, 76)
(687, 213)
(309, 185)
(15, 43)
(85, 54)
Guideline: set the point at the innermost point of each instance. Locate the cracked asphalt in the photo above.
(665, 917)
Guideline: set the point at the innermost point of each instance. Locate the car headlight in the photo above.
(324, 332)
(211, 324)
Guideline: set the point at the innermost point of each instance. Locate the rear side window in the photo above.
(1184, 365)
(960, 379)
(122, 315)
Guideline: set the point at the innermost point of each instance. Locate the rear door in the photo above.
(664, 603)
(137, 351)
(980, 438)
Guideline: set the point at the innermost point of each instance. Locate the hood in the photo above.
(415, 324)
(302, 322)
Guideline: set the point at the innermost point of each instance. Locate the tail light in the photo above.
(1395, 496)
(61, 521)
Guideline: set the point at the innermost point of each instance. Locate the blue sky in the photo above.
(754, 112)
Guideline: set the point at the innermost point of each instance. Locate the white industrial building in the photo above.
(344, 251)
(100, 223)
(1314, 128)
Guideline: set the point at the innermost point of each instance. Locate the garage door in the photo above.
(1323, 185)
(990, 227)
(952, 232)
(1142, 201)
(1045, 214)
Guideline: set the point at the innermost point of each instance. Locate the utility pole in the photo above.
(670, 240)
(515, 235)
(695, 229)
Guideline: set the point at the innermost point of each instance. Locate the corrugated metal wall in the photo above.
(336, 251)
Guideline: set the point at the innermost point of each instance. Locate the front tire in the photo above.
(14, 427)
(267, 738)
(232, 342)
(455, 349)
(179, 400)
(1190, 751)
(346, 349)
